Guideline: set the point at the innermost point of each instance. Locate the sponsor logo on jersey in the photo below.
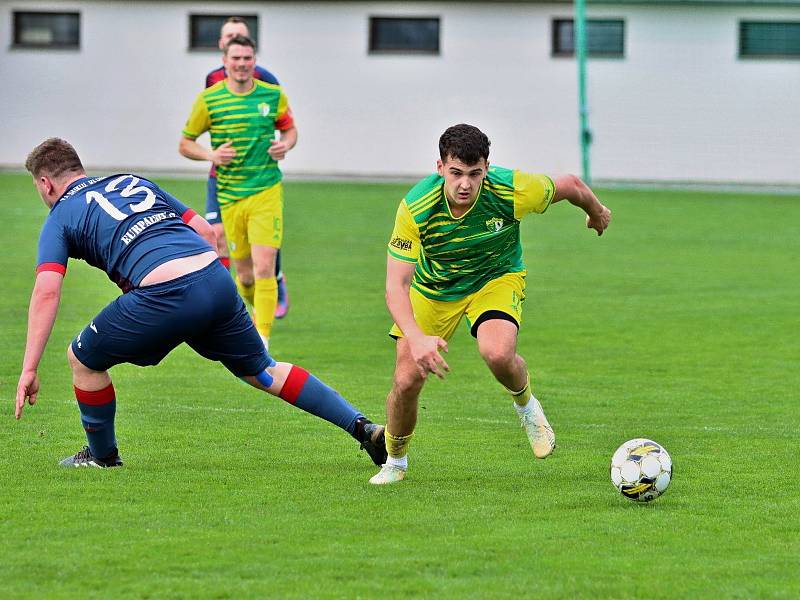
(143, 224)
(494, 224)
(401, 244)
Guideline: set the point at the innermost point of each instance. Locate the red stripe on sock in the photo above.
(294, 384)
(98, 398)
(226, 262)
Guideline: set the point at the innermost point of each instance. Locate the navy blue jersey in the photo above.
(122, 224)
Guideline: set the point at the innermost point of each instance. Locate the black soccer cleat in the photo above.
(373, 440)
(85, 458)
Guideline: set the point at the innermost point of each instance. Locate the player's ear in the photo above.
(440, 167)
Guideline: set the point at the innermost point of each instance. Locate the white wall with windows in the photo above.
(678, 103)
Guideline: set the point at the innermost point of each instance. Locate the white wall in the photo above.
(680, 106)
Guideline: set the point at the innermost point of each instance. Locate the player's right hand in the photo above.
(27, 388)
(223, 154)
(600, 221)
(425, 352)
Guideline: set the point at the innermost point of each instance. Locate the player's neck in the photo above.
(238, 87)
(61, 186)
(458, 209)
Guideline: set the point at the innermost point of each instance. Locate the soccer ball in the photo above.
(641, 470)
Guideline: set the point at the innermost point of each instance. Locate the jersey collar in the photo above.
(247, 93)
(469, 210)
(76, 186)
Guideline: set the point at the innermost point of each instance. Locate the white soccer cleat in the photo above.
(388, 474)
(540, 434)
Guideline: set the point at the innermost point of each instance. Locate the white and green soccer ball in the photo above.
(641, 470)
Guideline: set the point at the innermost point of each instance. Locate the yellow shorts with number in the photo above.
(257, 219)
(503, 295)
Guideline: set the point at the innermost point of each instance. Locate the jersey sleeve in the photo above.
(284, 119)
(405, 243)
(199, 121)
(179, 207)
(533, 193)
(215, 76)
(53, 248)
(264, 75)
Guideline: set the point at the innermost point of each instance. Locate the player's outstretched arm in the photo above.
(576, 192)
(424, 348)
(41, 316)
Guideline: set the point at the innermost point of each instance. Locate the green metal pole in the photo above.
(583, 107)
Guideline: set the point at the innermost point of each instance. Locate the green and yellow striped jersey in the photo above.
(248, 120)
(456, 257)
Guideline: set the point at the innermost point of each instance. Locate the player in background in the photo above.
(252, 128)
(232, 27)
(455, 251)
(160, 253)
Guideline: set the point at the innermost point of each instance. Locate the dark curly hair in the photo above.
(465, 143)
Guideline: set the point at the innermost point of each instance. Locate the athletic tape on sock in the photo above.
(264, 379)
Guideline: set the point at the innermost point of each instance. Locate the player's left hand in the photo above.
(278, 149)
(27, 388)
(600, 221)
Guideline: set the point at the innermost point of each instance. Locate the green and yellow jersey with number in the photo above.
(248, 120)
(456, 257)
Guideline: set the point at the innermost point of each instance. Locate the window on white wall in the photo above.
(604, 38)
(404, 35)
(769, 39)
(204, 30)
(46, 29)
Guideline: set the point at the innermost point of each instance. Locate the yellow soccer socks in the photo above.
(397, 448)
(522, 397)
(265, 300)
(396, 463)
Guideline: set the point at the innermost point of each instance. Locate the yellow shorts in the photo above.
(257, 219)
(503, 295)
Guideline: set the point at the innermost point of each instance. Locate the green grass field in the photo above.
(681, 324)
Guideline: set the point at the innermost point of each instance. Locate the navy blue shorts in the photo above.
(213, 214)
(202, 309)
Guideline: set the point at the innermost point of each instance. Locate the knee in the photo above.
(74, 364)
(408, 384)
(71, 358)
(265, 273)
(244, 275)
(264, 269)
(498, 358)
